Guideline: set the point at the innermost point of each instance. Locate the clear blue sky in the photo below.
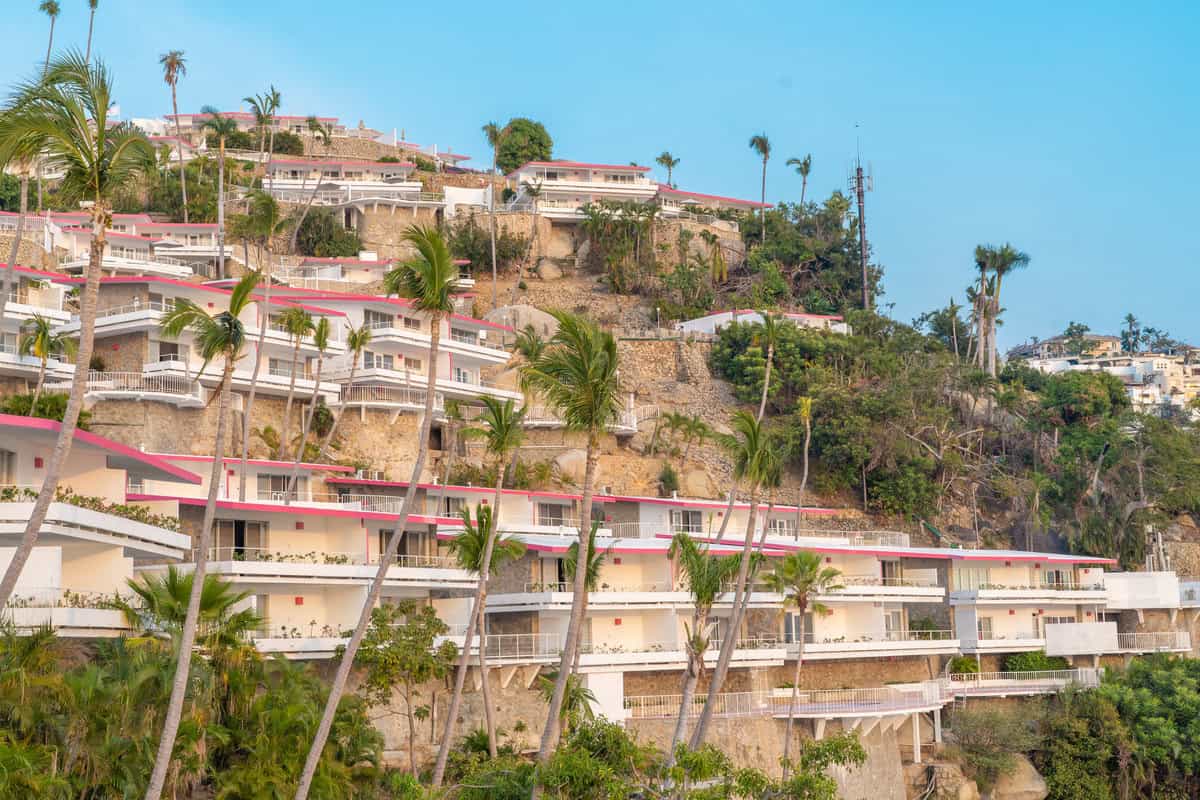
(1069, 131)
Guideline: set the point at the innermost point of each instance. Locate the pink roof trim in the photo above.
(475, 489)
(665, 189)
(31, 271)
(207, 288)
(307, 511)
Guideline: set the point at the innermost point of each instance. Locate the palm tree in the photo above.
(804, 412)
(772, 328)
(533, 190)
(222, 128)
(800, 578)
(98, 160)
(479, 549)
(529, 343)
(42, 342)
(669, 163)
(264, 116)
(494, 134)
(297, 323)
(751, 451)
(761, 145)
(91, 23)
(428, 281)
(51, 9)
(219, 336)
(1000, 261)
(163, 602)
(264, 222)
(591, 577)
(357, 340)
(274, 101)
(325, 134)
(577, 700)
(705, 576)
(175, 67)
(718, 269)
(320, 337)
(577, 376)
(694, 430)
(20, 159)
(803, 167)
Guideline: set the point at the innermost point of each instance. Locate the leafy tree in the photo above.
(40, 340)
(319, 235)
(987, 741)
(1035, 661)
(49, 406)
(470, 242)
(522, 140)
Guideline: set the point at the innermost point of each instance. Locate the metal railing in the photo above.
(512, 646)
(141, 383)
(1039, 681)
(567, 586)
(382, 504)
(1054, 586)
(157, 306)
(390, 396)
(879, 580)
(265, 555)
(1154, 641)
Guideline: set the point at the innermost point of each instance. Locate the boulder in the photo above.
(1023, 783)
(696, 483)
(571, 465)
(581, 252)
(949, 782)
(520, 315)
(547, 270)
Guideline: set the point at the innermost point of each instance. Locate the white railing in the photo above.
(748, 643)
(390, 396)
(265, 555)
(407, 561)
(1037, 681)
(1154, 641)
(32, 224)
(157, 306)
(382, 504)
(879, 580)
(464, 337)
(513, 646)
(61, 597)
(567, 586)
(141, 383)
(1040, 586)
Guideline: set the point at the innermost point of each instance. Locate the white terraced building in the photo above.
(710, 324)
(84, 554)
(566, 186)
(35, 293)
(346, 183)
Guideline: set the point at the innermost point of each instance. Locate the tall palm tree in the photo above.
(264, 116)
(705, 577)
(577, 376)
(320, 337)
(427, 280)
(297, 323)
(1000, 261)
(221, 127)
(163, 602)
(274, 102)
(803, 167)
(533, 190)
(91, 24)
(479, 549)
(21, 158)
(804, 412)
(760, 144)
(324, 133)
(501, 430)
(265, 222)
(591, 578)
(98, 160)
(51, 9)
(41, 341)
(772, 327)
(494, 134)
(751, 451)
(175, 67)
(669, 163)
(219, 336)
(357, 340)
(801, 578)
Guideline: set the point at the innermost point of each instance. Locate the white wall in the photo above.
(1081, 638)
(1139, 590)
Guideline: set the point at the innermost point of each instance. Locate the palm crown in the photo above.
(469, 546)
(217, 335)
(501, 430)
(428, 279)
(577, 374)
(706, 575)
(800, 577)
(41, 341)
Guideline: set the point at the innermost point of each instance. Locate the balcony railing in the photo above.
(1154, 641)
(567, 586)
(157, 306)
(264, 555)
(510, 646)
(880, 580)
(1040, 682)
(1039, 586)
(141, 383)
(381, 504)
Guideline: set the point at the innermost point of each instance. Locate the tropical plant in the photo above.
(577, 376)
(521, 141)
(97, 160)
(428, 281)
(357, 340)
(20, 158)
(162, 607)
(320, 338)
(494, 134)
(529, 343)
(40, 340)
(576, 705)
(219, 336)
(298, 324)
(669, 163)
(591, 576)
(323, 132)
(221, 128)
(803, 168)
(801, 578)
(263, 107)
(761, 145)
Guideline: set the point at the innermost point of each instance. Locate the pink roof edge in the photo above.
(662, 187)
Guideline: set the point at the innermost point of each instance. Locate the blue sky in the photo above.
(1069, 131)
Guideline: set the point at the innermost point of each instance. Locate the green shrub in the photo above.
(964, 665)
(668, 479)
(424, 164)
(322, 237)
(522, 141)
(987, 742)
(387, 160)
(1036, 661)
(49, 406)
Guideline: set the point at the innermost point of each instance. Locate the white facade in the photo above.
(711, 323)
(567, 186)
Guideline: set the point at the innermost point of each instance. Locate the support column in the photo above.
(937, 726)
(916, 728)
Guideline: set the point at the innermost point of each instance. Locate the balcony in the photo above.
(886, 645)
(168, 388)
(67, 523)
(69, 613)
(557, 597)
(334, 568)
(1072, 592)
(1155, 642)
(1015, 684)
(45, 301)
(134, 262)
(877, 587)
(13, 363)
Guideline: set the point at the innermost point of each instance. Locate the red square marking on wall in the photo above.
(116, 347)
(616, 561)
(1008, 563)
(1012, 611)
(298, 601)
(38, 462)
(299, 526)
(617, 621)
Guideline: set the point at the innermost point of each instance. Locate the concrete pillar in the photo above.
(916, 729)
(1174, 615)
(937, 726)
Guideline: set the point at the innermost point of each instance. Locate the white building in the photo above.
(567, 186)
(37, 293)
(711, 323)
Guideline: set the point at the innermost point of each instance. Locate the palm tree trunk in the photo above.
(270, 148)
(728, 512)
(308, 421)
(166, 743)
(49, 47)
(342, 408)
(552, 730)
(304, 213)
(460, 680)
(803, 476)
(492, 214)
(762, 404)
(10, 272)
(488, 711)
(385, 560)
(762, 212)
(221, 212)
(690, 679)
(264, 311)
(803, 189)
(87, 59)
(179, 144)
(101, 217)
(287, 408)
(412, 729)
(37, 392)
(787, 736)
(729, 641)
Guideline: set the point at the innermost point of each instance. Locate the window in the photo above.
(891, 572)
(172, 351)
(412, 364)
(280, 367)
(791, 628)
(1056, 577)
(9, 343)
(274, 487)
(983, 628)
(412, 324)
(378, 360)
(618, 177)
(462, 376)
(781, 527)
(377, 319)
(552, 176)
(971, 578)
(893, 624)
(686, 520)
(464, 336)
(452, 506)
(550, 514)
(8, 467)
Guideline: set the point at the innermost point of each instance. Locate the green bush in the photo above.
(668, 479)
(522, 141)
(987, 742)
(321, 236)
(285, 143)
(471, 240)
(49, 406)
(1037, 661)
(424, 164)
(964, 665)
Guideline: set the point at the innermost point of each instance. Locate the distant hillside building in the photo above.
(711, 323)
(1096, 344)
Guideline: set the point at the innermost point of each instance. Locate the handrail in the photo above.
(1154, 640)
(533, 587)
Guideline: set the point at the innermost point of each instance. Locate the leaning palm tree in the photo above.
(297, 324)
(67, 113)
(694, 430)
(222, 128)
(577, 701)
(41, 341)
(479, 549)
(264, 222)
(577, 376)
(175, 67)
(705, 577)
(751, 451)
(494, 134)
(357, 340)
(320, 337)
(428, 281)
(804, 412)
(591, 578)
(803, 168)
(219, 336)
(669, 163)
(801, 578)
(761, 145)
(323, 132)
(51, 9)
(274, 101)
(91, 24)
(768, 336)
